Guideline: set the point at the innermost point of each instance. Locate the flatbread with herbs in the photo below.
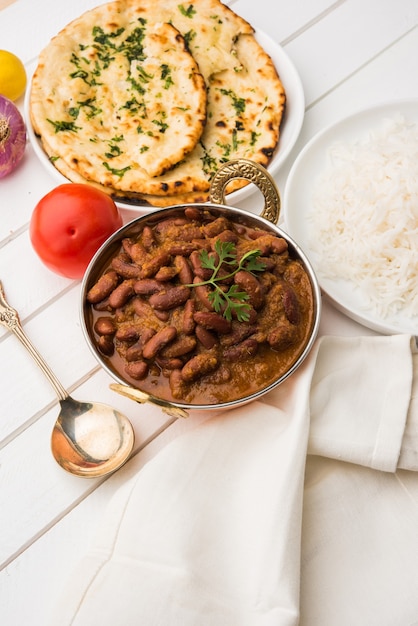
(245, 102)
(127, 99)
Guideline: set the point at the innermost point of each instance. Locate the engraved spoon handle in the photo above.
(10, 319)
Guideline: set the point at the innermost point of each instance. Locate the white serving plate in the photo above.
(290, 128)
(297, 205)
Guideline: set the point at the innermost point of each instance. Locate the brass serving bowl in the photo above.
(242, 169)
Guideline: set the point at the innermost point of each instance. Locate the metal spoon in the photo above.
(88, 439)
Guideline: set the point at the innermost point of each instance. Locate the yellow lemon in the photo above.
(12, 75)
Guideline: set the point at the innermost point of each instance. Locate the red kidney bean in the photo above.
(103, 305)
(170, 299)
(148, 286)
(198, 366)
(124, 268)
(206, 338)
(142, 308)
(183, 248)
(199, 271)
(216, 227)
(278, 245)
(179, 347)
(240, 229)
(121, 294)
(203, 244)
(282, 336)
(106, 345)
(163, 316)
(103, 287)
(251, 285)
(202, 292)
(243, 350)
(127, 244)
(137, 253)
(185, 274)
(145, 311)
(193, 213)
(263, 243)
(177, 385)
(159, 341)
(227, 236)
(270, 243)
(152, 264)
(148, 238)
(165, 225)
(189, 232)
(212, 321)
(128, 332)
(239, 332)
(169, 363)
(146, 334)
(254, 233)
(134, 353)
(137, 369)
(291, 305)
(166, 273)
(105, 326)
(188, 319)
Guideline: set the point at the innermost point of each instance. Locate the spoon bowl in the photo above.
(88, 439)
(77, 445)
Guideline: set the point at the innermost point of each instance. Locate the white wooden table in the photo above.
(349, 54)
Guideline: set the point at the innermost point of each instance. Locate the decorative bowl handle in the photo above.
(253, 172)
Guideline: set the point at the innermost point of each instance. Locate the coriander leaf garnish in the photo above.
(61, 126)
(166, 76)
(189, 36)
(189, 12)
(231, 302)
(91, 110)
(237, 103)
(116, 172)
(254, 137)
(209, 163)
(162, 125)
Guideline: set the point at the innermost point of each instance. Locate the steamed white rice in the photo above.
(365, 217)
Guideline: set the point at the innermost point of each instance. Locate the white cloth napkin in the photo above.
(229, 526)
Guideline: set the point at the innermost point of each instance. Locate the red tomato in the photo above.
(69, 225)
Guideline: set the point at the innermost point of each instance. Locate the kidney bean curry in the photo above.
(200, 309)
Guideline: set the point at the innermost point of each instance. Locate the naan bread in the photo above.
(127, 99)
(245, 102)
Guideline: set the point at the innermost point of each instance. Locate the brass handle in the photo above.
(142, 398)
(253, 172)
